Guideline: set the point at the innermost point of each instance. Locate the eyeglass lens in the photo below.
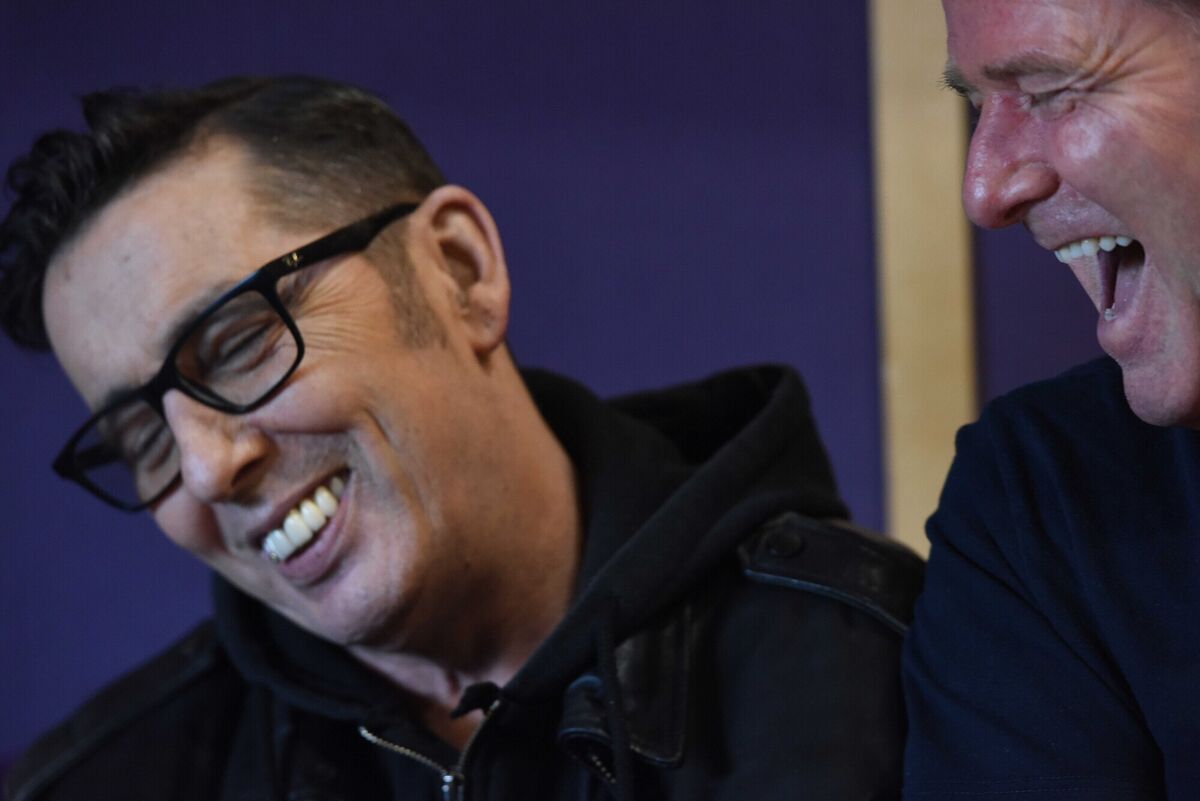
(239, 353)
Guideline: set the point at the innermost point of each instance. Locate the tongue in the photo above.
(1128, 270)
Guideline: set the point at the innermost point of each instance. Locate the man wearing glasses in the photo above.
(436, 576)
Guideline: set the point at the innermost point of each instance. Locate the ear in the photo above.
(466, 247)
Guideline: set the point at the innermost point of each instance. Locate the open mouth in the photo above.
(304, 521)
(1118, 258)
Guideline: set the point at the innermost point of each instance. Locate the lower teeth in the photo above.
(1110, 313)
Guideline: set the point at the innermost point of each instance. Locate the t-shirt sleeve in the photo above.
(1008, 693)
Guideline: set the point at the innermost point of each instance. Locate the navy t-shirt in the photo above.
(1056, 649)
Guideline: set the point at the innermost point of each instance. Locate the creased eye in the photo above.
(1054, 102)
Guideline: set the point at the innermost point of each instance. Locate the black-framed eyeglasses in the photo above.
(231, 357)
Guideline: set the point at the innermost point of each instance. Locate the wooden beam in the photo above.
(923, 261)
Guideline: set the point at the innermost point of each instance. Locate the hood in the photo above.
(707, 462)
(670, 481)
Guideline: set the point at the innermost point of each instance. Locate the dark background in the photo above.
(681, 187)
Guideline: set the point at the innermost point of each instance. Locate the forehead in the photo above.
(115, 291)
(998, 34)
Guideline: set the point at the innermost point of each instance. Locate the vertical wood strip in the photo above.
(923, 261)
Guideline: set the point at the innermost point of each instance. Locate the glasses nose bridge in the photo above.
(156, 389)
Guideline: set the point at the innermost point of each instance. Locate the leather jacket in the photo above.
(244, 742)
(729, 639)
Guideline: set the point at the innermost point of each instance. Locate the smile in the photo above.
(1090, 246)
(304, 521)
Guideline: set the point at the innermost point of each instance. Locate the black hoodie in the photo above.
(722, 640)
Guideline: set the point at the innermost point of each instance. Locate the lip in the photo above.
(321, 555)
(1070, 217)
(273, 520)
(318, 556)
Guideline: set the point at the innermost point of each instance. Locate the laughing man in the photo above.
(1055, 652)
(435, 576)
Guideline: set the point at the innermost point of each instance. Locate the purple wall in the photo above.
(1034, 320)
(681, 187)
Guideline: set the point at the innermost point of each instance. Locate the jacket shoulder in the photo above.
(837, 560)
(120, 710)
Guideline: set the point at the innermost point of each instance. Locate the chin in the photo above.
(1163, 396)
(357, 626)
(338, 632)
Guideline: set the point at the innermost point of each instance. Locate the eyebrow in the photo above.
(183, 321)
(195, 308)
(1016, 67)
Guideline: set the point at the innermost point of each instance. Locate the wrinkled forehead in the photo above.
(147, 261)
(987, 31)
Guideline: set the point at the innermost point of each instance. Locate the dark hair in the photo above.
(328, 152)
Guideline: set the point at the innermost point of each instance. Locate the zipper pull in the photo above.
(452, 786)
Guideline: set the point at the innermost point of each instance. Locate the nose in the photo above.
(220, 455)
(1007, 171)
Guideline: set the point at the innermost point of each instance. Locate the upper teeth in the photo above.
(1091, 246)
(304, 521)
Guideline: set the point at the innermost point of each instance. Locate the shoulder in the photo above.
(1091, 386)
(1062, 459)
(800, 666)
(1081, 413)
(839, 561)
(167, 702)
(1046, 569)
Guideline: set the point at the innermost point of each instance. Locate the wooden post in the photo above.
(923, 257)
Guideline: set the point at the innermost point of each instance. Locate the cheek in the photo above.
(339, 406)
(1097, 151)
(189, 524)
(1082, 145)
(1134, 161)
(1139, 166)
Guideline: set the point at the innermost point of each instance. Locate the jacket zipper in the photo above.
(598, 764)
(454, 780)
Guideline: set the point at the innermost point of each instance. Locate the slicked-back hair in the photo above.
(324, 153)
